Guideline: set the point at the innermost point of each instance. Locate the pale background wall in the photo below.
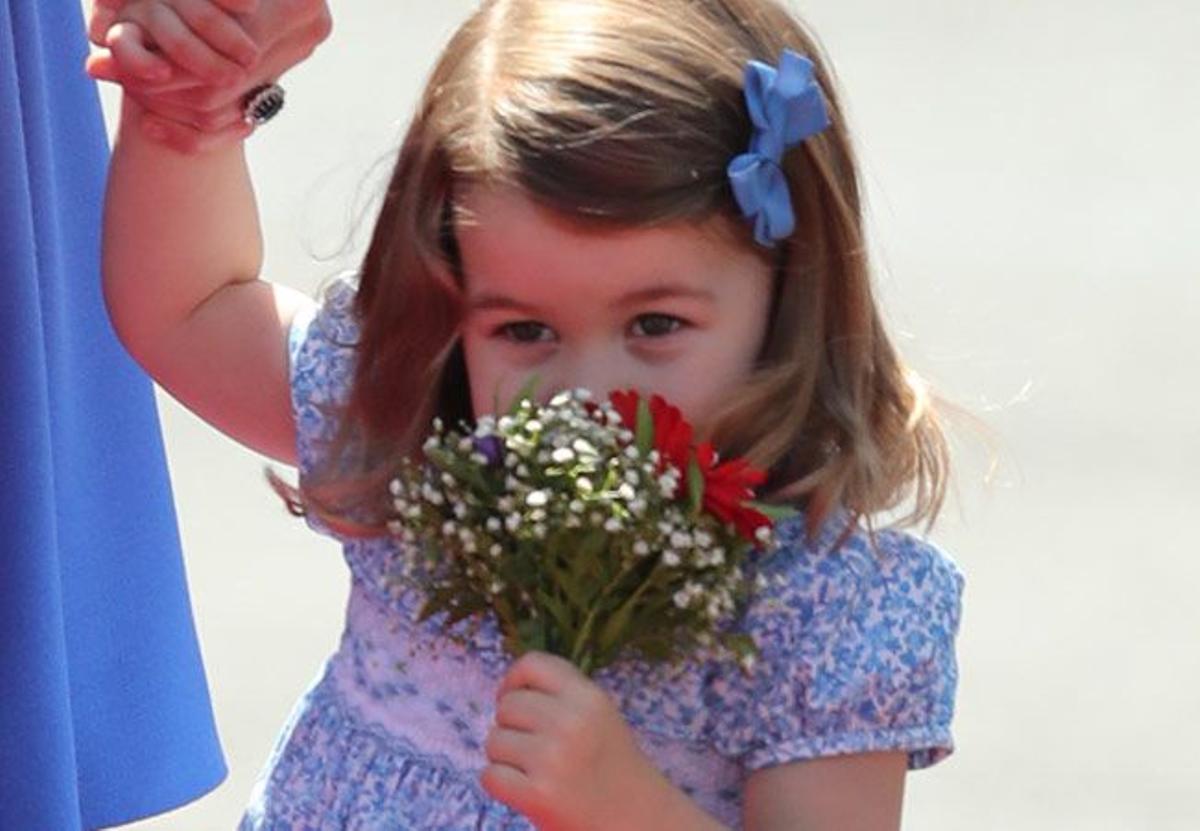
(1032, 197)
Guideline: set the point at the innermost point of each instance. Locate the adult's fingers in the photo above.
(218, 30)
(278, 58)
(183, 47)
(238, 6)
(101, 17)
(204, 121)
(187, 139)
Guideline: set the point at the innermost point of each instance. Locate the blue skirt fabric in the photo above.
(105, 714)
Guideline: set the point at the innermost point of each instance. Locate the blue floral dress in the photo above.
(857, 653)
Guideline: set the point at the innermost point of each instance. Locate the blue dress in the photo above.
(857, 654)
(105, 714)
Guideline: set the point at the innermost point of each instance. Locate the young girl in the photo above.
(657, 194)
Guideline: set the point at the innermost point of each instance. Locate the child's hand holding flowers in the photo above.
(562, 754)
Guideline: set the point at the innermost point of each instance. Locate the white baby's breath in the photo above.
(574, 477)
(583, 447)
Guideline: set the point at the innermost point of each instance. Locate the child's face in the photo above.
(545, 297)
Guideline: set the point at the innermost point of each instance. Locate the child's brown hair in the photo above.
(627, 113)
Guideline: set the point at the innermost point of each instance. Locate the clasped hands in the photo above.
(188, 63)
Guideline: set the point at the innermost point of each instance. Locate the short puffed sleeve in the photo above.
(321, 354)
(857, 649)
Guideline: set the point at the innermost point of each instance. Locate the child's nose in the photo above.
(596, 371)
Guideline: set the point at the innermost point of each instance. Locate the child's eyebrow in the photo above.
(661, 291)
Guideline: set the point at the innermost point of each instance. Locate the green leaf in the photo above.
(565, 578)
(428, 609)
(655, 647)
(616, 626)
(459, 612)
(772, 512)
(695, 484)
(645, 426)
(504, 609)
(561, 617)
(741, 643)
(527, 391)
(592, 544)
(533, 633)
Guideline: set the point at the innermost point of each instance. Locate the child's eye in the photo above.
(516, 331)
(660, 330)
(646, 326)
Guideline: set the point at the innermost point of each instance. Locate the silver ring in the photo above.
(262, 103)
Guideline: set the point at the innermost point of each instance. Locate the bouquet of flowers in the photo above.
(589, 530)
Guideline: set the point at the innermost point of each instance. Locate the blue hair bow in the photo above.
(786, 108)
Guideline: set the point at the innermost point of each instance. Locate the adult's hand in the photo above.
(194, 112)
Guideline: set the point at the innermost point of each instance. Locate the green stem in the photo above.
(585, 633)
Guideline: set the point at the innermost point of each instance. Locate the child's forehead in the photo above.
(506, 239)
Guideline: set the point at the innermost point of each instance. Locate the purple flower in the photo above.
(490, 446)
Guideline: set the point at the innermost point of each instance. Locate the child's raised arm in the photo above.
(182, 251)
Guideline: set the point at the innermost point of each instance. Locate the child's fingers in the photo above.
(127, 42)
(183, 47)
(219, 30)
(102, 65)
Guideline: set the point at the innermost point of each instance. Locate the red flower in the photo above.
(672, 433)
(726, 486)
